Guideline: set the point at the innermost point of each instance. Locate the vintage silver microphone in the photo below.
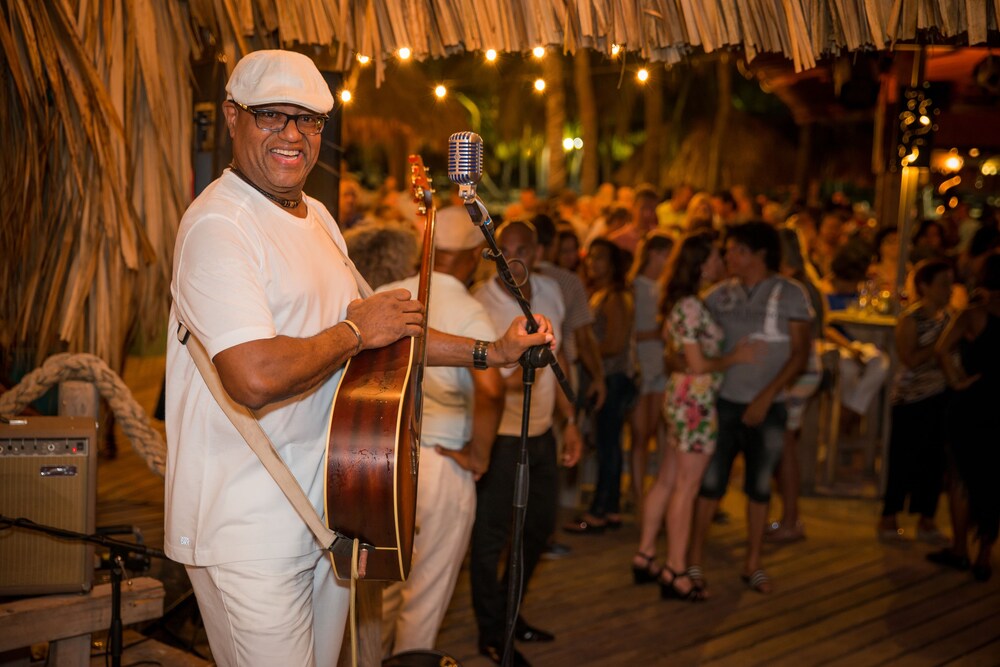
(465, 169)
(465, 163)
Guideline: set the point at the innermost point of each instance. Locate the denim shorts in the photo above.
(761, 446)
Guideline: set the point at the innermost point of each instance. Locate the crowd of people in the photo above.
(707, 316)
(691, 321)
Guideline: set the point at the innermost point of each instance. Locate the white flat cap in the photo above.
(454, 230)
(279, 77)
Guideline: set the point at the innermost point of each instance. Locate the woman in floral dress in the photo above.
(689, 408)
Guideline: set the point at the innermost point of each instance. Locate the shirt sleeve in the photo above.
(797, 302)
(219, 290)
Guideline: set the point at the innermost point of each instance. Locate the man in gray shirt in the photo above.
(755, 303)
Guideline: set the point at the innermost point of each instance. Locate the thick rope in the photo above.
(131, 417)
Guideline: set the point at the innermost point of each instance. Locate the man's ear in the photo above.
(230, 111)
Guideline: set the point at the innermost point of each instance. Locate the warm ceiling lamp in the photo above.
(404, 53)
(440, 91)
(539, 85)
(642, 75)
(491, 54)
(345, 96)
(538, 51)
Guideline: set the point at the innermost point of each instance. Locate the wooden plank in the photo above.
(954, 645)
(37, 620)
(888, 628)
(784, 645)
(138, 649)
(987, 655)
(906, 645)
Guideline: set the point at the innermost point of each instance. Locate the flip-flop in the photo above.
(696, 576)
(758, 582)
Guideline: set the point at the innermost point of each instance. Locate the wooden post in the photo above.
(588, 120)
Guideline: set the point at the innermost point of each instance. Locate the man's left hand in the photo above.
(463, 457)
(572, 445)
(757, 410)
(597, 392)
(508, 349)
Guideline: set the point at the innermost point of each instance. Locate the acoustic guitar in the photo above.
(374, 435)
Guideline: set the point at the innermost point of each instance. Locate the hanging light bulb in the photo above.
(538, 51)
(345, 96)
(491, 54)
(539, 85)
(440, 91)
(615, 49)
(363, 59)
(642, 75)
(404, 53)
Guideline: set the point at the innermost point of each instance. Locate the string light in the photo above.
(491, 54)
(538, 51)
(577, 143)
(953, 163)
(440, 91)
(345, 96)
(539, 85)
(642, 75)
(404, 53)
(615, 49)
(568, 144)
(363, 59)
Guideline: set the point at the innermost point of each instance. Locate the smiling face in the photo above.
(278, 162)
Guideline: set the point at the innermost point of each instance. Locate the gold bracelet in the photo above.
(357, 332)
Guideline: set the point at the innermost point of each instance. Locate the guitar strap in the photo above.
(338, 544)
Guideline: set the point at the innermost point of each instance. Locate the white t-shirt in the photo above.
(447, 391)
(546, 299)
(244, 269)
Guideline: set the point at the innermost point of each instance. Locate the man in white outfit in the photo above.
(461, 413)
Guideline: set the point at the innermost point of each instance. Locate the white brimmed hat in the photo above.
(279, 77)
(454, 230)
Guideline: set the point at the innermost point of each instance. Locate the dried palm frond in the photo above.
(100, 95)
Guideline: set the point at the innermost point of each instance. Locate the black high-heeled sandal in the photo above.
(669, 590)
(646, 573)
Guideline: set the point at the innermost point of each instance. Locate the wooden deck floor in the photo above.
(840, 598)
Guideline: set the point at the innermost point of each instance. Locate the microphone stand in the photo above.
(533, 358)
(119, 553)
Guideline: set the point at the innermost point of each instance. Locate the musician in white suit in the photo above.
(261, 278)
(461, 413)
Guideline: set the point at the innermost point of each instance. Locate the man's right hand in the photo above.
(385, 317)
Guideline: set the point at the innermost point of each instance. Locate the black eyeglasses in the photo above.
(276, 121)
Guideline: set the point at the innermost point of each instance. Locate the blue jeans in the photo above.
(609, 422)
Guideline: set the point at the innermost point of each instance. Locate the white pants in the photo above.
(285, 611)
(861, 382)
(412, 611)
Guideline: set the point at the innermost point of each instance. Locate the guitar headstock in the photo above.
(423, 193)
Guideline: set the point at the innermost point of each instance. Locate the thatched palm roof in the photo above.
(98, 171)
(656, 30)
